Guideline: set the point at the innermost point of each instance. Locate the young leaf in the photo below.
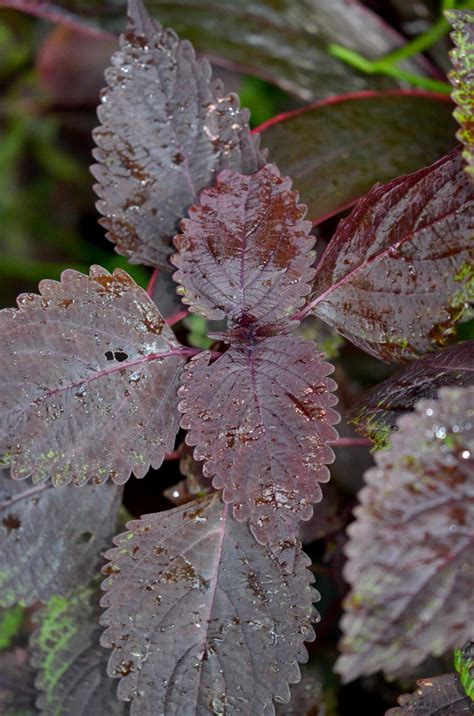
(261, 418)
(462, 78)
(397, 275)
(202, 618)
(441, 696)
(464, 665)
(337, 149)
(378, 411)
(245, 253)
(72, 664)
(51, 538)
(90, 373)
(11, 621)
(166, 130)
(411, 557)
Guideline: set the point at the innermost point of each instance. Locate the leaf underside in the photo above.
(166, 129)
(261, 418)
(441, 696)
(410, 554)
(90, 377)
(190, 589)
(293, 38)
(72, 665)
(462, 79)
(245, 253)
(52, 540)
(397, 275)
(337, 150)
(378, 411)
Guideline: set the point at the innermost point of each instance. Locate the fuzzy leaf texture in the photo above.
(462, 79)
(398, 273)
(202, 618)
(377, 412)
(90, 373)
(464, 665)
(245, 253)
(439, 696)
(410, 553)
(166, 129)
(261, 418)
(51, 540)
(72, 665)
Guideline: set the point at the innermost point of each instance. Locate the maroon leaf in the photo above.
(397, 275)
(167, 129)
(306, 696)
(90, 373)
(285, 43)
(261, 419)
(326, 517)
(411, 557)
(377, 413)
(51, 539)
(201, 617)
(245, 252)
(337, 149)
(439, 696)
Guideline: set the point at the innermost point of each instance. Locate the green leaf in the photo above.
(464, 665)
(462, 79)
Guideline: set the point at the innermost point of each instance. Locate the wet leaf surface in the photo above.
(245, 253)
(166, 130)
(51, 539)
(378, 411)
(90, 373)
(397, 275)
(462, 79)
(261, 419)
(410, 553)
(188, 590)
(440, 696)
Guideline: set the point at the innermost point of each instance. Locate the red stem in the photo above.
(351, 442)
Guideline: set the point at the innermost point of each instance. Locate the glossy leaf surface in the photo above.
(245, 253)
(378, 411)
(462, 78)
(51, 539)
(166, 130)
(72, 665)
(261, 419)
(287, 43)
(397, 274)
(439, 696)
(336, 150)
(410, 553)
(201, 617)
(90, 373)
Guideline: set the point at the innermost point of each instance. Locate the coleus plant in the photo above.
(208, 605)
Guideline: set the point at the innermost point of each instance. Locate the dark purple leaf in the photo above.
(397, 275)
(261, 418)
(202, 618)
(378, 411)
(439, 696)
(411, 556)
(462, 78)
(72, 665)
(51, 539)
(166, 130)
(306, 696)
(245, 253)
(325, 519)
(162, 290)
(195, 483)
(285, 43)
(90, 373)
(336, 150)
(17, 692)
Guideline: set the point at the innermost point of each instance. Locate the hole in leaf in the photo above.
(11, 522)
(119, 356)
(85, 538)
